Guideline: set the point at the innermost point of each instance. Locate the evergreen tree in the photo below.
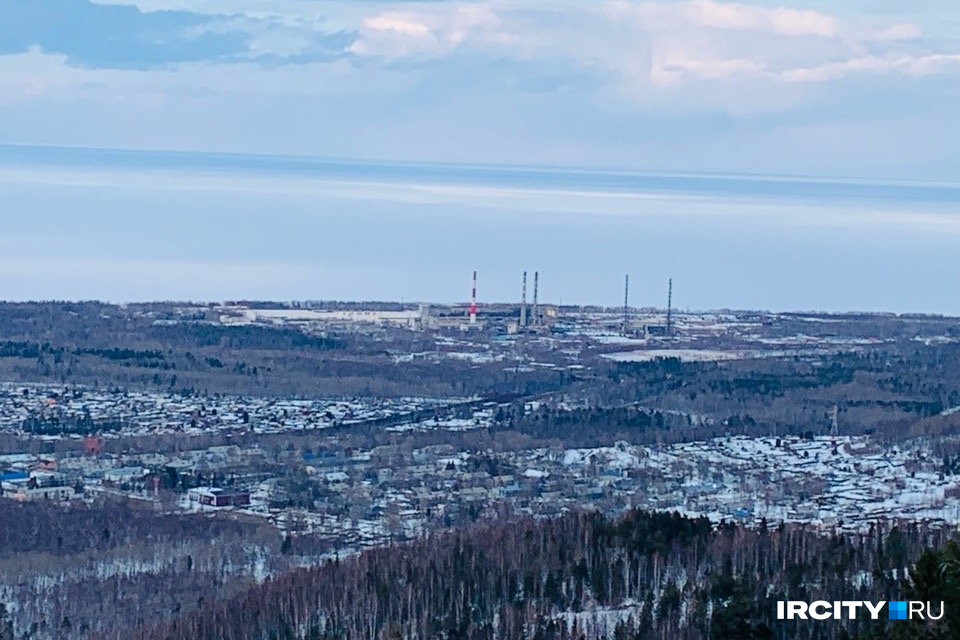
(6, 624)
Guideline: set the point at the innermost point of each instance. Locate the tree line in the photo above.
(582, 576)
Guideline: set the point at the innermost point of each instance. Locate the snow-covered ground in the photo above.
(843, 482)
(685, 355)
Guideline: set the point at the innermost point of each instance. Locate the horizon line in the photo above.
(612, 171)
(480, 305)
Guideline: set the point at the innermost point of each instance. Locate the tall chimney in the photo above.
(473, 300)
(626, 298)
(523, 302)
(669, 306)
(536, 310)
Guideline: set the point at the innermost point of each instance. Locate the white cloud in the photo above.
(643, 45)
(909, 65)
(901, 31)
(673, 67)
(706, 39)
(397, 22)
(34, 74)
(434, 30)
(731, 16)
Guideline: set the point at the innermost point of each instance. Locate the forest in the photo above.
(585, 576)
(157, 346)
(68, 571)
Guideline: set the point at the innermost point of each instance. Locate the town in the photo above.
(225, 454)
(294, 434)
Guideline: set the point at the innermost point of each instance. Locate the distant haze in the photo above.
(137, 226)
(866, 89)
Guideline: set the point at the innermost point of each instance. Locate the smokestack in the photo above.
(669, 306)
(523, 302)
(536, 311)
(473, 300)
(626, 298)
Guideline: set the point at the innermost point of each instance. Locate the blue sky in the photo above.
(867, 89)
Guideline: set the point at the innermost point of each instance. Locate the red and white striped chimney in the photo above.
(473, 300)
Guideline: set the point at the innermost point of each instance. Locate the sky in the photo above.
(359, 150)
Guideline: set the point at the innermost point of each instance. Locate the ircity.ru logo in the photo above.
(849, 609)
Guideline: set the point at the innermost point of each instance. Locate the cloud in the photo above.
(732, 16)
(705, 39)
(126, 37)
(431, 31)
(113, 36)
(699, 84)
(909, 65)
(397, 23)
(640, 46)
(635, 44)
